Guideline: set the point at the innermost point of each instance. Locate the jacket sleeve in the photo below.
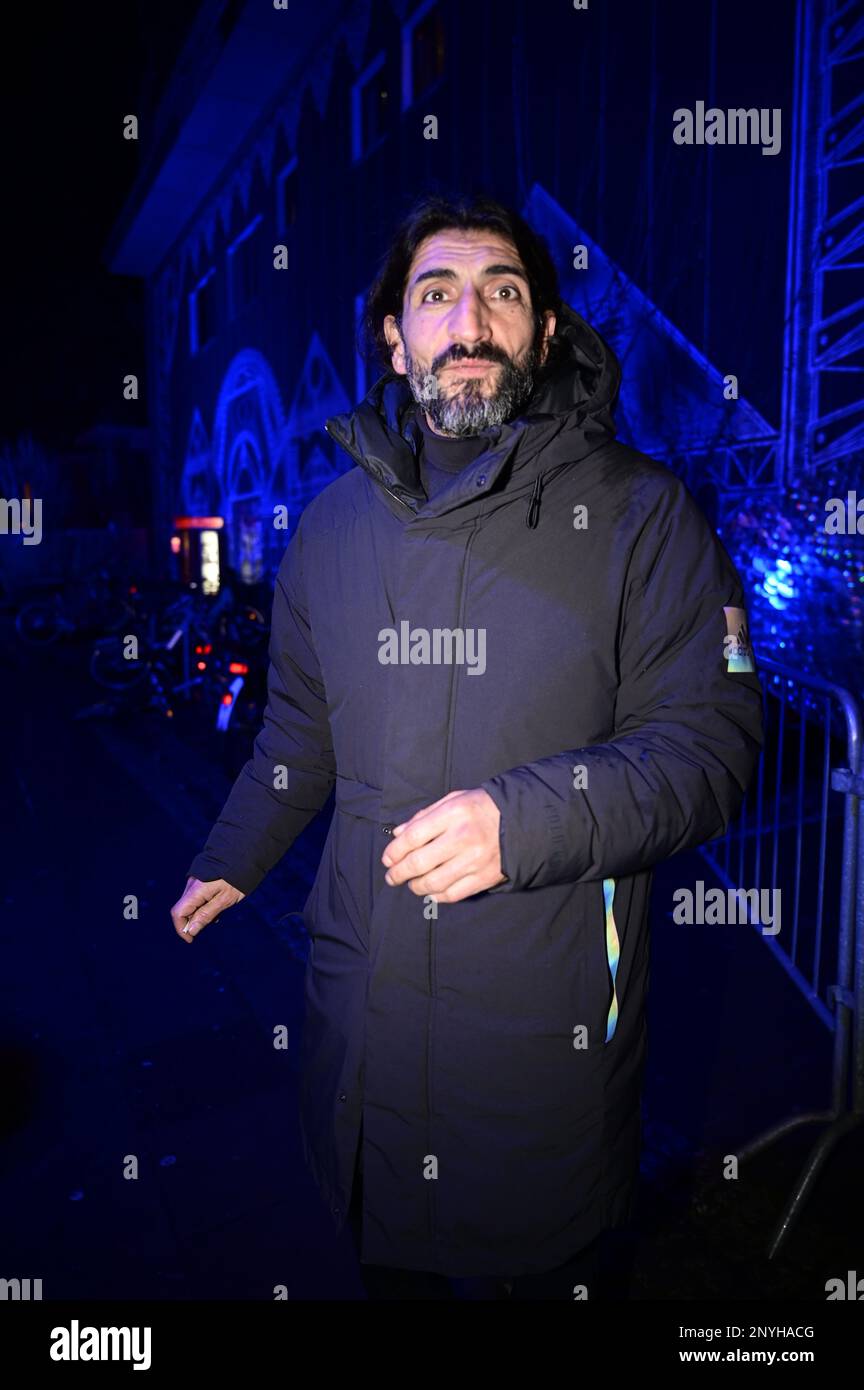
(687, 727)
(267, 808)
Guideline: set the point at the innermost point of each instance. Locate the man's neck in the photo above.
(441, 434)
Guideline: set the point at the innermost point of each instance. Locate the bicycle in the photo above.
(97, 602)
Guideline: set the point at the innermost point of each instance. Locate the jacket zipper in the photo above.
(459, 616)
(401, 500)
(358, 459)
(433, 1211)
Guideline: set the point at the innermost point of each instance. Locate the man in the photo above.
(502, 637)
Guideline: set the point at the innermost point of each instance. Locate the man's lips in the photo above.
(472, 364)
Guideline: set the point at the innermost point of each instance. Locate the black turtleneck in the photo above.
(441, 457)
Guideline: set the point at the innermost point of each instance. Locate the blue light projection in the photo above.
(805, 588)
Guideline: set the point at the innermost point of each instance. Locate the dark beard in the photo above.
(467, 411)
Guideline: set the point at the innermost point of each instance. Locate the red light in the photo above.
(202, 665)
(198, 650)
(208, 649)
(133, 588)
(238, 668)
(227, 699)
(198, 523)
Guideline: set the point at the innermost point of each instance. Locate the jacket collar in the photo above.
(573, 404)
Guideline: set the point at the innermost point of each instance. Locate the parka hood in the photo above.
(588, 377)
(572, 404)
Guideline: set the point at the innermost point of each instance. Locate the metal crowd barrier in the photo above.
(790, 822)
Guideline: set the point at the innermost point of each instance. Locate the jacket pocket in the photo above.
(339, 904)
(310, 911)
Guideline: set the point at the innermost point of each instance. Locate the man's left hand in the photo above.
(448, 850)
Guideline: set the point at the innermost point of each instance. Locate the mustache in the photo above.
(458, 354)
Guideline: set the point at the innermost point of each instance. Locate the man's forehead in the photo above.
(458, 247)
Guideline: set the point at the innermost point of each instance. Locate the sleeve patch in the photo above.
(737, 648)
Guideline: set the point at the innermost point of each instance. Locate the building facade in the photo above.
(291, 140)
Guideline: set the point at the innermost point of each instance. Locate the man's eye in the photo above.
(512, 292)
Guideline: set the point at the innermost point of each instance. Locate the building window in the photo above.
(374, 100)
(203, 312)
(422, 52)
(244, 268)
(286, 199)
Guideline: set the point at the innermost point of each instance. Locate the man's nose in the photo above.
(469, 321)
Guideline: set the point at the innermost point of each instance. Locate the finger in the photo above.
(421, 861)
(422, 828)
(441, 878)
(192, 899)
(202, 916)
(462, 888)
(184, 913)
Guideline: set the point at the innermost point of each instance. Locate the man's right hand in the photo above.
(202, 903)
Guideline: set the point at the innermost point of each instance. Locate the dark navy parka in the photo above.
(492, 1049)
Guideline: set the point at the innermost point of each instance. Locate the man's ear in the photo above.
(395, 344)
(548, 330)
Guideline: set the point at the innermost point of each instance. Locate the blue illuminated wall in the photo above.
(307, 132)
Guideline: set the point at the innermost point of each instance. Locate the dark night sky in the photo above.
(72, 330)
(71, 74)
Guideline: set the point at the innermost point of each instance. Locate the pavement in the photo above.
(123, 1052)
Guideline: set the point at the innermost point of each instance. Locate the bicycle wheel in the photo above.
(38, 623)
(111, 669)
(116, 613)
(248, 628)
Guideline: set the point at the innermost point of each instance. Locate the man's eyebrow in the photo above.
(445, 273)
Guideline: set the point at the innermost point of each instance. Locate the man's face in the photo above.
(469, 342)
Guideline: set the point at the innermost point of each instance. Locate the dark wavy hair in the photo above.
(438, 212)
